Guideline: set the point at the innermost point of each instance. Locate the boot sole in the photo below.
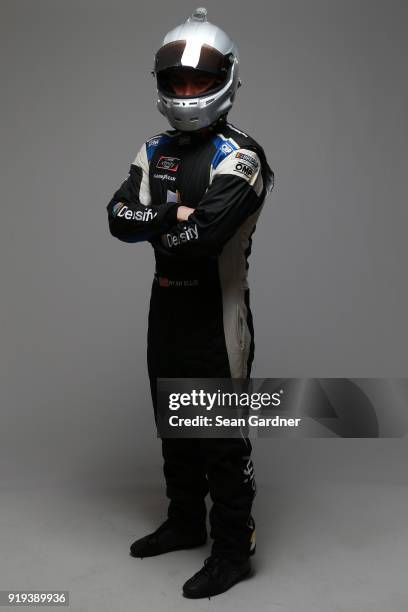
(175, 548)
(242, 577)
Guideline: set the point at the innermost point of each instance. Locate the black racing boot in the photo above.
(169, 536)
(216, 576)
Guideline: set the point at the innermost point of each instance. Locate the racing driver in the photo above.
(195, 193)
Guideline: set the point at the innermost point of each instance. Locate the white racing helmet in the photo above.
(202, 46)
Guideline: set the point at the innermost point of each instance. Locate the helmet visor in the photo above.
(188, 82)
(186, 54)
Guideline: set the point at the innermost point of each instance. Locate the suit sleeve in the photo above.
(236, 191)
(131, 215)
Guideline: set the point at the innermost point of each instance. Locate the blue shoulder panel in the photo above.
(153, 143)
(223, 147)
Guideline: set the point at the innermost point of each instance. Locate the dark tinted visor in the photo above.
(167, 81)
(210, 60)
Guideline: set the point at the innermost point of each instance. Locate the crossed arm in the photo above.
(131, 215)
(231, 198)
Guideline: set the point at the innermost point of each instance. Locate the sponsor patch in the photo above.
(136, 215)
(226, 148)
(170, 164)
(164, 177)
(117, 208)
(244, 169)
(247, 158)
(189, 233)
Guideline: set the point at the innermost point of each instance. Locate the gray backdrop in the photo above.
(325, 92)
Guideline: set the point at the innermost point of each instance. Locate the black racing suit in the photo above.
(200, 322)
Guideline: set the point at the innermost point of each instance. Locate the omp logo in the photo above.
(136, 215)
(247, 158)
(170, 164)
(153, 142)
(244, 169)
